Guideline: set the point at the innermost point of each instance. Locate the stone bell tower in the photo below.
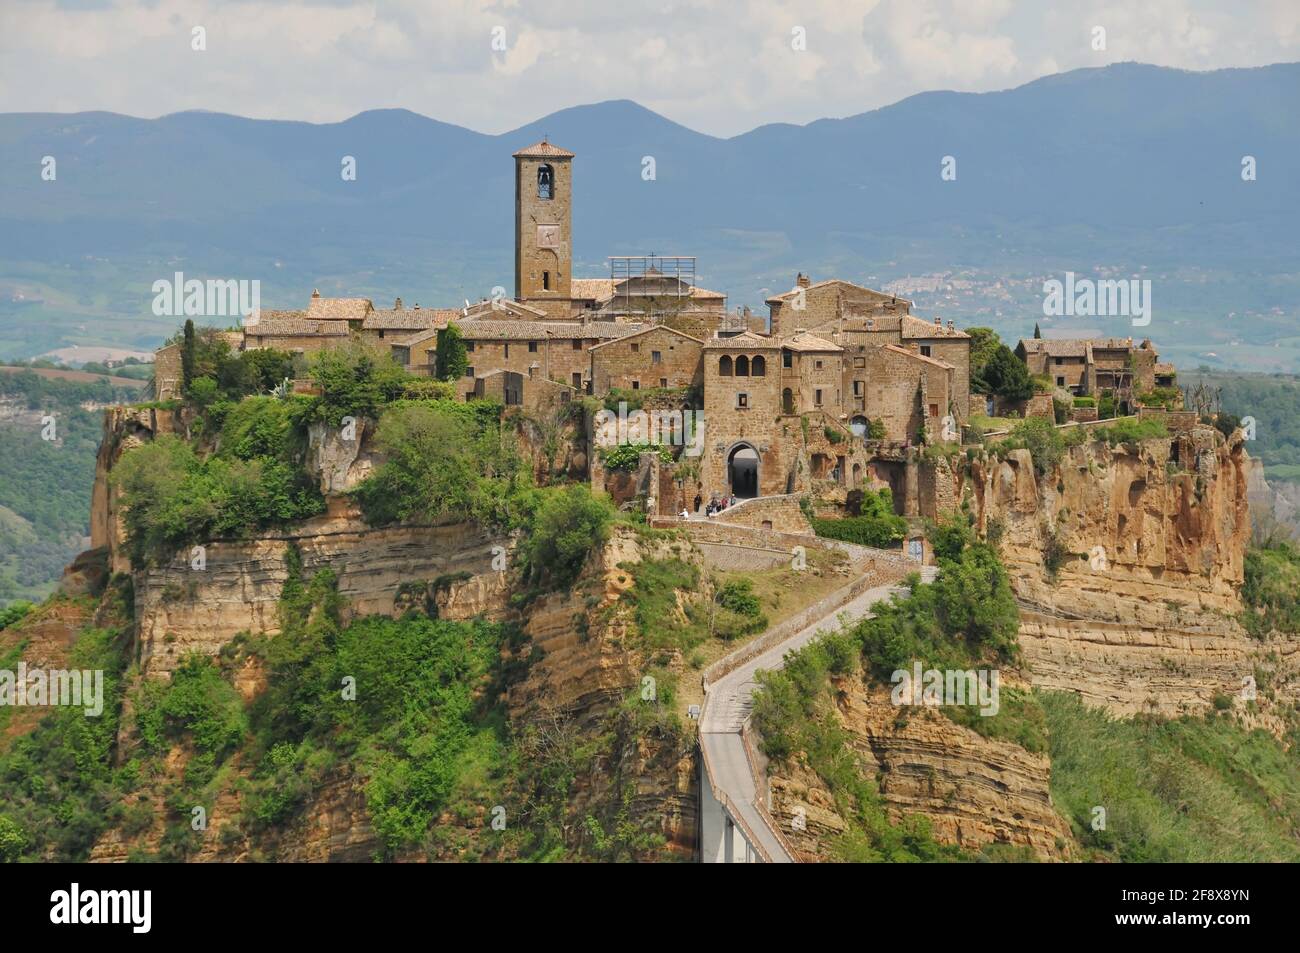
(543, 220)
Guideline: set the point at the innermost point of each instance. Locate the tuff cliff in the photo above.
(1127, 564)
(573, 667)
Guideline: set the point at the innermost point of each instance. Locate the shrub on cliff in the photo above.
(172, 498)
(443, 458)
(356, 380)
(875, 525)
(1043, 441)
(563, 529)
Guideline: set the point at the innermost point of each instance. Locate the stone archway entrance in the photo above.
(742, 471)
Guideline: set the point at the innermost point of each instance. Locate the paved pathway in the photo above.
(729, 701)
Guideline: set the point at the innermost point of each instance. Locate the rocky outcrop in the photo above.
(973, 790)
(340, 458)
(194, 605)
(1148, 545)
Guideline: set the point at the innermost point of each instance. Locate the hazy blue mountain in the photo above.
(1129, 167)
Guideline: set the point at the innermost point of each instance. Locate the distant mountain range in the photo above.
(1127, 170)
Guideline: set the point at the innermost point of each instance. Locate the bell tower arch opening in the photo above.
(742, 471)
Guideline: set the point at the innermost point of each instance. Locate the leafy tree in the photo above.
(569, 523)
(984, 343)
(1004, 375)
(442, 458)
(451, 361)
(1043, 441)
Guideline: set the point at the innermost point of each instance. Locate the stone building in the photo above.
(654, 357)
(1088, 367)
(742, 408)
(786, 400)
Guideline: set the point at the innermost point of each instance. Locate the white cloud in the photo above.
(721, 66)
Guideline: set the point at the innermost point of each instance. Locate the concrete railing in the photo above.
(751, 836)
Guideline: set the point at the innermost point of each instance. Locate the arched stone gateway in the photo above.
(858, 426)
(742, 471)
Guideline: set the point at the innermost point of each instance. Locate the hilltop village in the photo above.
(839, 384)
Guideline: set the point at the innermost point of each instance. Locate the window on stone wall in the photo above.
(532, 347)
(742, 400)
(817, 397)
(787, 359)
(546, 281)
(859, 362)
(505, 350)
(759, 367)
(724, 366)
(925, 350)
(742, 366)
(663, 382)
(469, 371)
(545, 182)
(934, 410)
(656, 357)
(858, 388)
(469, 347)
(636, 385)
(636, 347)
(577, 344)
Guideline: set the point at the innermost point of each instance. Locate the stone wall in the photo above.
(632, 361)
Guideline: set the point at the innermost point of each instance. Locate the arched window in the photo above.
(742, 366)
(724, 366)
(759, 367)
(545, 182)
(787, 401)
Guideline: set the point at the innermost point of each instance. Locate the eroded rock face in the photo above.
(1141, 613)
(585, 665)
(180, 610)
(974, 791)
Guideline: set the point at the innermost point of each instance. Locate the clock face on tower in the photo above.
(548, 236)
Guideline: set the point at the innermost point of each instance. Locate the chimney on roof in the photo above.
(802, 281)
(912, 346)
(417, 306)
(950, 327)
(938, 321)
(315, 292)
(397, 305)
(747, 311)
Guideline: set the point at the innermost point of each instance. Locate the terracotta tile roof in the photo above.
(339, 309)
(1073, 347)
(408, 319)
(745, 339)
(914, 327)
(653, 327)
(544, 150)
(803, 341)
(704, 294)
(834, 281)
(294, 324)
(502, 330)
(918, 356)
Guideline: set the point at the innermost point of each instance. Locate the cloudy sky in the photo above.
(719, 66)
